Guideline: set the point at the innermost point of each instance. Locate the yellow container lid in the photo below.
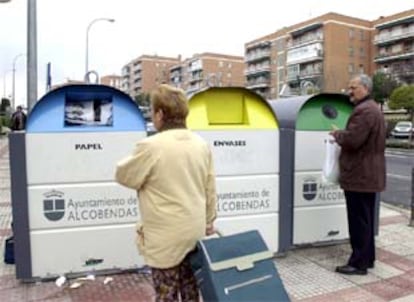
(229, 108)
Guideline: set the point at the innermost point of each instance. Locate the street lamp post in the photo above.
(31, 54)
(14, 80)
(4, 83)
(87, 39)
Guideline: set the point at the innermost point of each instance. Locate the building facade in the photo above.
(394, 46)
(112, 80)
(207, 70)
(317, 55)
(146, 72)
(320, 54)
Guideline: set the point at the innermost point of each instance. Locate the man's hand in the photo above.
(332, 137)
(210, 229)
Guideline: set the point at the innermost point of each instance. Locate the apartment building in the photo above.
(112, 80)
(207, 70)
(320, 54)
(394, 46)
(146, 72)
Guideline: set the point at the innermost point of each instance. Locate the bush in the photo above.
(4, 121)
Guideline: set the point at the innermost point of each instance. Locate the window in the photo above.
(351, 68)
(351, 51)
(361, 52)
(351, 33)
(362, 35)
(361, 68)
(397, 48)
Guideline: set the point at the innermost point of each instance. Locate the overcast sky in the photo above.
(162, 27)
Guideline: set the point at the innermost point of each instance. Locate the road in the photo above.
(399, 166)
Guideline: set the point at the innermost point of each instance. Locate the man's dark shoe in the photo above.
(350, 270)
(371, 265)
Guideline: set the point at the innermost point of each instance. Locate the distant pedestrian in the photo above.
(18, 119)
(174, 176)
(362, 172)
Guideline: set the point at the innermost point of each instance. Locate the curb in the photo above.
(395, 208)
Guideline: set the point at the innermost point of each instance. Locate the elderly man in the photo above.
(362, 172)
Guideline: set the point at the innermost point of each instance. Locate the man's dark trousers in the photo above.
(361, 211)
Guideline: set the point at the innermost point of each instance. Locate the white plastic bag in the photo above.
(330, 171)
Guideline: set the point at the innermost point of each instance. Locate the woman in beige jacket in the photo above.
(174, 176)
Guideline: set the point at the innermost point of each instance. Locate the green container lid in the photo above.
(324, 112)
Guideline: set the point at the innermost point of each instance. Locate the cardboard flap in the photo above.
(241, 263)
(239, 251)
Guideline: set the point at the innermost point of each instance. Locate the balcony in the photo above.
(305, 29)
(316, 38)
(390, 37)
(254, 56)
(406, 70)
(195, 65)
(176, 80)
(137, 90)
(126, 71)
(175, 74)
(137, 67)
(402, 69)
(392, 23)
(125, 83)
(316, 56)
(193, 89)
(305, 54)
(386, 57)
(137, 82)
(258, 45)
(176, 69)
(258, 83)
(254, 70)
(137, 76)
(195, 78)
(304, 75)
(137, 72)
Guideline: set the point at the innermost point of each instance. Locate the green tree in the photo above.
(382, 86)
(4, 104)
(142, 99)
(143, 102)
(403, 98)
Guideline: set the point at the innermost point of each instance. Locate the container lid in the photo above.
(229, 108)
